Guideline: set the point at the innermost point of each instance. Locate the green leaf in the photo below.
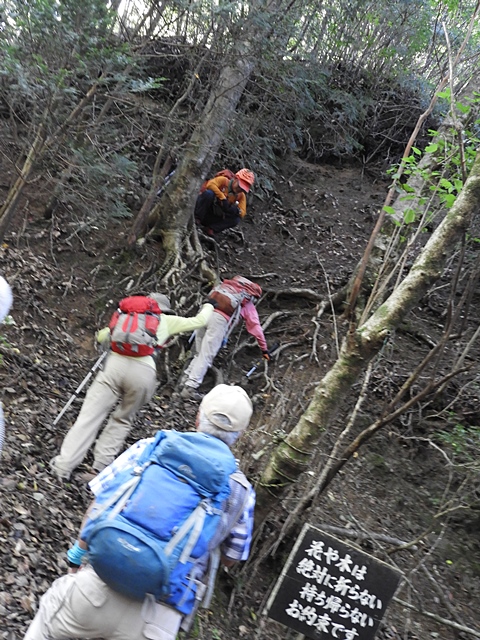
(389, 210)
(417, 151)
(431, 148)
(463, 108)
(409, 216)
(446, 184)
(448, 199)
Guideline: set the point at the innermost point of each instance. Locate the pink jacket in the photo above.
(252, 322)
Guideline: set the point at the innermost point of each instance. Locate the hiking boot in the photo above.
(189, 393)
(60, 473)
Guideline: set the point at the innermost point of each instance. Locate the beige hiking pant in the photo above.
(125, 379)
(82, 606)
(208, 342)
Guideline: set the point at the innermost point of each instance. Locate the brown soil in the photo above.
(308, 235)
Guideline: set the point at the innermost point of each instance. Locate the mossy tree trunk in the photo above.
(293, 455)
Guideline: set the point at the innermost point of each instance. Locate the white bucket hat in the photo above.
(227, 407)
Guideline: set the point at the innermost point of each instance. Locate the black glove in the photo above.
(213, 302)
(266, 354)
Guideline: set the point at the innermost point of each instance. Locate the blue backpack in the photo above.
(153, 535)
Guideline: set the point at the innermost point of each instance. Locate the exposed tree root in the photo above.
(182, 248)
(309, 294)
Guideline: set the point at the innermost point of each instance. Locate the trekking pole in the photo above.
(81, 385)
(257, 364)
(231, 324)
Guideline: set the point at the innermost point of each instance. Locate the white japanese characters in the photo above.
(330, 589)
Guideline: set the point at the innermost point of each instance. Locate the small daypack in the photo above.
(153, 534)
(133, 326)
(231, 293)
(226, 173)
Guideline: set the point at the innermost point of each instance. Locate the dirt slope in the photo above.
(309, 235)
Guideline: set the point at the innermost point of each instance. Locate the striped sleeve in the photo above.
(236, 545)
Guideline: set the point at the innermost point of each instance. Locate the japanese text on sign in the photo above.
(331, 590)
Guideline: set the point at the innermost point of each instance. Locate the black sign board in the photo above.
(329, 589)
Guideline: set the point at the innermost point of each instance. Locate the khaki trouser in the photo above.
(208, 342)
(82, 606)
(123, 378)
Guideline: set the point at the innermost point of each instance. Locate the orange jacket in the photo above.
(221, 188)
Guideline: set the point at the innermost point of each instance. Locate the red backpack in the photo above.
(225, 173)
(133, 327)
(231, 293)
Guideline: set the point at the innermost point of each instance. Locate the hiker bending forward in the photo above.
(82, 605)
(210, 339)
(223, 203)
(128, 379)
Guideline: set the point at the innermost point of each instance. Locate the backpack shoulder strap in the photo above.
(239, 477)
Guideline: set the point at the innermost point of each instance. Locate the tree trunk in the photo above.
(9, 206)
(40, 143)
(160, 171)
(292, 457)
(172, 213)
(174, 210)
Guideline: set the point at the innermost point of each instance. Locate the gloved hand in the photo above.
(266, 355)
(103, 337)
(75, 555)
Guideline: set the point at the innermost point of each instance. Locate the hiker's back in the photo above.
(133, 326)
(153, 531)
(224, 173)
(229, 294)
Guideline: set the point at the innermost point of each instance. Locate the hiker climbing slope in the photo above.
(172, 481)
(222, 202)
(129, 376)
(235, 300)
